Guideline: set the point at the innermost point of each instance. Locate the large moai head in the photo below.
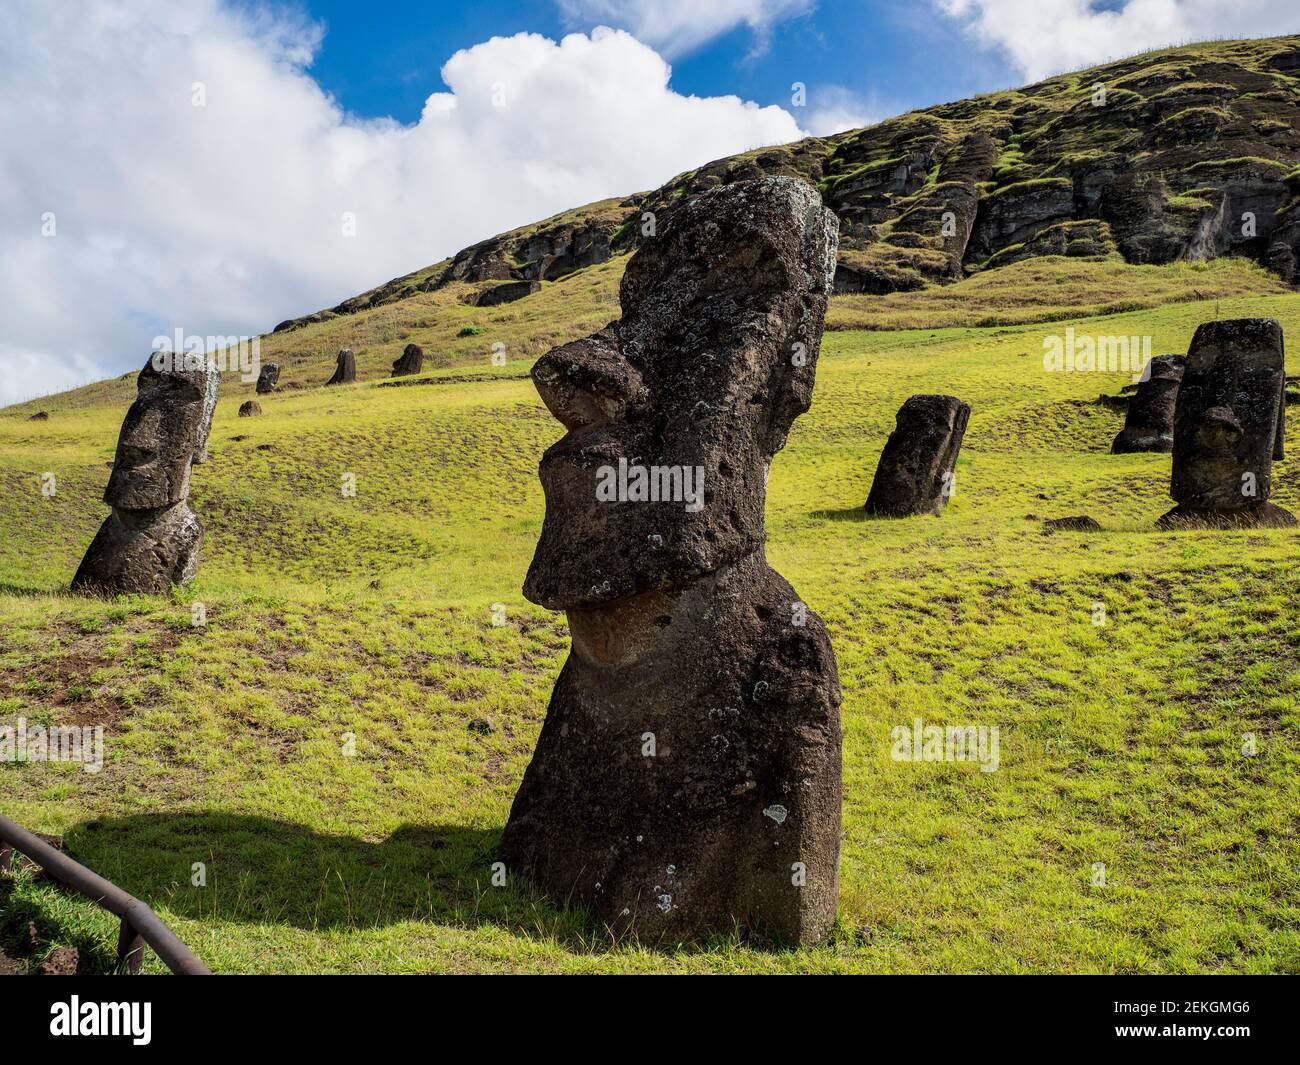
(684, 638)
(1226, 422)
(165, 431)
(1149, 425)
(152, 538)
(916, 471)
(686, 398)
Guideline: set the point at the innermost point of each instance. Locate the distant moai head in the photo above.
(916, 468)
(165, 431)
(1149, 423)
(688, 396)
(1226, 423)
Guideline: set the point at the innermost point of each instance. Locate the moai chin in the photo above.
(1228, 427)
(917, 469)
(1149, 424)
(152, 539)
(686, 782)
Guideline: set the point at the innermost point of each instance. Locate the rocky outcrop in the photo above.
(151, 540)
(345, 368)
(250, 409)
(1186, 155)
(686, 783)
(508, 293)
(916, 473)
(1228, 427)
(1149, 425)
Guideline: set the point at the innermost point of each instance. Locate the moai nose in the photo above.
(587, 382)
(1219, 428)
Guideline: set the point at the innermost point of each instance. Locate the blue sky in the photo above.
(887, 56)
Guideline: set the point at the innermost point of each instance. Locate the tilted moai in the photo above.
(917, 470)
(268, 379)
(152, 539)
(1228, 427)
(410, 362)
(686, 782)
(1149, 425)
(345, 369)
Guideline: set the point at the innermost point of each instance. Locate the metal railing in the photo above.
(140, 925)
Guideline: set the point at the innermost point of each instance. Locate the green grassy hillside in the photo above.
(339, 745)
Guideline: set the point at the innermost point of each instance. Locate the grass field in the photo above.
(340, 743)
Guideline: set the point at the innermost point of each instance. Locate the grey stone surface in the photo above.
(916, 473)
(1227, 427)
(152, 539)
(686, 782)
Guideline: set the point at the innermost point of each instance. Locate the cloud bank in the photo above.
(676, 27)
(171, 164)
(1044, 37)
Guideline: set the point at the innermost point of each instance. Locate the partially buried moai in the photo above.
(151, 540)
(1228, 427)
(686, 782)
(345, 368)
(917, 470)
(1149, 425)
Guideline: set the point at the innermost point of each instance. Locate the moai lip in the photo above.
(345, 368)
(1149, 425)
(686, 782)
(152, 539)
(1227, 427)
(916, 472)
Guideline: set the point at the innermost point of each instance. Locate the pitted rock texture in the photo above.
(1228, 427)
(917, 469)
(1149, 425)
(152, 539)
(687, 779)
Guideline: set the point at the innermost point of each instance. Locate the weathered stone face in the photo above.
(345, 369)
(152, 539)
(686, 782)
(1150, 422)
(916, 470)
(1226, 424)
(712, 361)
(166, 429)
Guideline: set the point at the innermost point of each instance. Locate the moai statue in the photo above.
(345, 370)
(686, 782)
(411, 361)
(268, 379)
(1149, 425)
(1227, 427)
(917, 469)
(152, 539)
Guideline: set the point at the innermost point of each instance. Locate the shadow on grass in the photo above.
(847, 514)
(260, 870)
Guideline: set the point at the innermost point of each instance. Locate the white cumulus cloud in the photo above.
(224, 218)
(1043, 37)
(676, 27)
